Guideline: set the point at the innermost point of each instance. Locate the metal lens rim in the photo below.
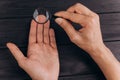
(47, 13)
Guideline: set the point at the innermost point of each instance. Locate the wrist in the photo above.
(97, 50)
(107, 62)
(102, 53)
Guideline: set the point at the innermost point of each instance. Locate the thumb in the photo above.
(69, 29)
(16, 53)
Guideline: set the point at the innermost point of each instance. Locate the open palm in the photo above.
(42, 61)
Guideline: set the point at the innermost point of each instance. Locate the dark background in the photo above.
(15, 18)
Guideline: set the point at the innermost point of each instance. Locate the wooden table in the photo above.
(15, 17)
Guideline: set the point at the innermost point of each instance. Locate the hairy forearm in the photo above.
(109, 65)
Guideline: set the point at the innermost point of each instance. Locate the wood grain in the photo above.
(17, 30)
(15, 17)
(23, 8)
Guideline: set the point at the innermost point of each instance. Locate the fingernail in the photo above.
(7, 44)
(56, 13)
(58, 20)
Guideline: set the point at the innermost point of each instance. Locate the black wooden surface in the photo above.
(15, 17)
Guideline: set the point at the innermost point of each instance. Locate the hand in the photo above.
(42, 61)
(89, 37)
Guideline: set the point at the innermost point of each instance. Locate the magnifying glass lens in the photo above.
(41, 12)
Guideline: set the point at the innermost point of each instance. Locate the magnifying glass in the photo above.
(43, 12)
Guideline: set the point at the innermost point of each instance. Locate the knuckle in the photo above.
(31, 35)
(96, 16)
(74, 38)
(71, 15)
(91, 20)
(77, 4)
(20, 64)
(45, 35)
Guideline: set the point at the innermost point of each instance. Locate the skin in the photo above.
(42, 61)
(89, 38)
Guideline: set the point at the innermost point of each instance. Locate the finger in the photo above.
(81, 9)
(66, 26)
(16, 52)
(46, 32)
(74, 17)
(52, 38)
(32, 35)
(40, 29)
